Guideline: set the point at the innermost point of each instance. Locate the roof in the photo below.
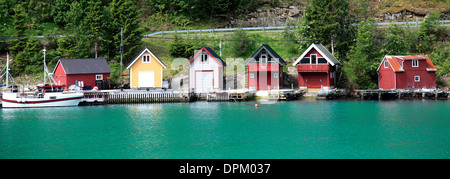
(84, 66)
(323, 51)
(211, 53)
(271, 53)
(140, 54)
(395, 64)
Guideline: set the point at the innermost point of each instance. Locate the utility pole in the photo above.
(121, 49)
(220, 47)
(332, 46)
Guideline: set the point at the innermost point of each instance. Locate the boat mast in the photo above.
(7, 69)
(45, 66)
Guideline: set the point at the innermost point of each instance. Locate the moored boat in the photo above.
(46, 95)
(31, 100)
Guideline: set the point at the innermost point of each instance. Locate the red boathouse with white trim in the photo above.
(316, 68)
(403, 72)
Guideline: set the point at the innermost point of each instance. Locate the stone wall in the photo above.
(407, 15)
(279, 16)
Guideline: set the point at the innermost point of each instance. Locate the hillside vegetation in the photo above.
(92, 28)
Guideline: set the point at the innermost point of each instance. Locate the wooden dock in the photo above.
(132, 96)
(401, 94)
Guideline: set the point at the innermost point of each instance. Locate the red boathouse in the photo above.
(316, 68)
(90, 72)
(402, 72)
(264, 69)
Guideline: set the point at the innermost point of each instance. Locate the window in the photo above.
(252, 75)
(321, 60)
(417, 78)
(275, 75)
(386, 64)
(146, 58)
(415, 63)
(204, 57)
(263, 57)
(305, 61)
(98, 77)
(313, 59)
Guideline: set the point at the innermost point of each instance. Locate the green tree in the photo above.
(67, 47)
(59, 12)
(427, 33)
(363, 58)
(395, 41)
(20, 26)
(181, 48)
(125, 13)
(325, 21)
(30, 59)
(93, 24)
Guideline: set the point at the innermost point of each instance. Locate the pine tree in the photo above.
(59, 12)
(20, 27)
(325, 21)
(93, 23)
(125, 13)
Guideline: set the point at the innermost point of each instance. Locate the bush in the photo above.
(180, 48)
(242, 43)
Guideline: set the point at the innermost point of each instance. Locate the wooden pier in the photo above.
(401, 94)
(133, 96)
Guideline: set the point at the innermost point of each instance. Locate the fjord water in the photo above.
(298, 129)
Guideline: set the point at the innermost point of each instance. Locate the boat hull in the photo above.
(60, 101)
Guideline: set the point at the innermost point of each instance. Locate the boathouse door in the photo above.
(204, 81)
(146, 79)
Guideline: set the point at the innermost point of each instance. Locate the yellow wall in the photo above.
(139, 66)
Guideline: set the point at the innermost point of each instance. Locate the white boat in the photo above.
(33, 100)
(44, 96)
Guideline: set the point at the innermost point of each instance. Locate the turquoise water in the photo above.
(298, 129)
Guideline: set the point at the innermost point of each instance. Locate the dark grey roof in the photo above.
(85, 66)
(215, 56)
(271, 53)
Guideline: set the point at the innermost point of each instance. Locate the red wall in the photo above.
(88, 79)
(264, 78)
(60, 75)
(314, 80)
(314, 52)
(386, 77)
(405, 79)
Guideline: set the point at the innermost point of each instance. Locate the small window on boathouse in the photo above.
(417, 78)
(321, 60)
(415, 63)
(146, 58)
(204, 57)
(386, 64)
(313, 59)
(305, 61)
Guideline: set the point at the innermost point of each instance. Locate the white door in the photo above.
(204, 81)
(146, 79)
